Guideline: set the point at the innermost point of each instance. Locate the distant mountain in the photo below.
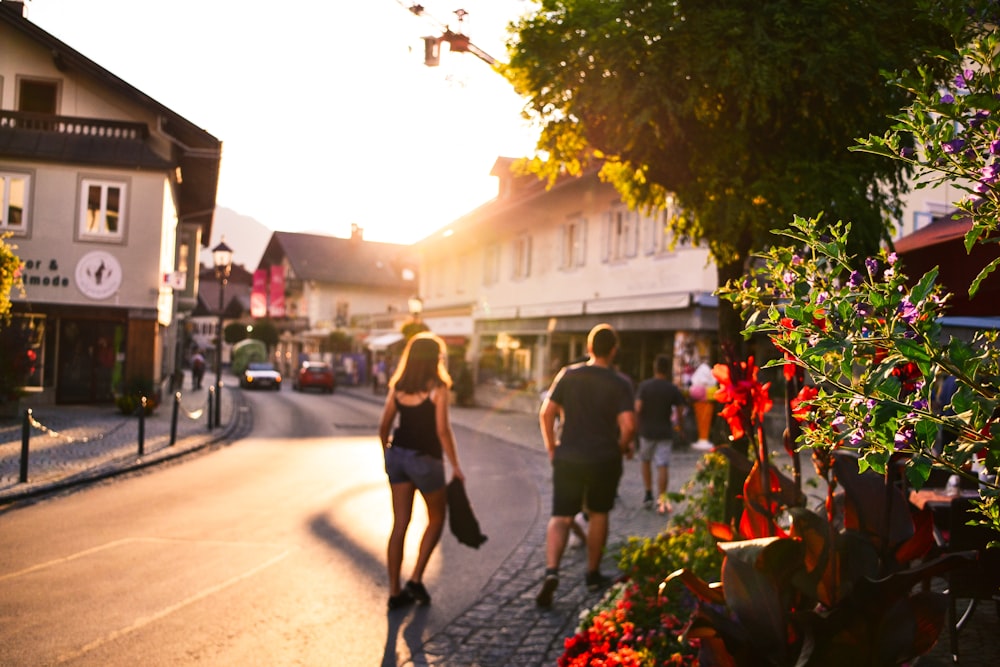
(247, 237)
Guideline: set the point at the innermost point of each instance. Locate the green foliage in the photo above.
(265, 331)
(338, 341)
(234, 333)
(741, 111)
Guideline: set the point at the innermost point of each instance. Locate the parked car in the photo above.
(261, 375)
(316, 374)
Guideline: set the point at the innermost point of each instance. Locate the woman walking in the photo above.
(414, 456)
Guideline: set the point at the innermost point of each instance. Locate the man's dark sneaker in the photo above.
(549, 586)
(597, 582)
(401, 599)
(418, 592)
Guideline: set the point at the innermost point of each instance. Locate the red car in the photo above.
(316, 374)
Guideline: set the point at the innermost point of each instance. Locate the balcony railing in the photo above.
(91, 127)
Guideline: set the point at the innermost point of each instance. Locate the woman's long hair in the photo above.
(422, 366)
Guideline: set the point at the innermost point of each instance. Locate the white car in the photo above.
(261, 375)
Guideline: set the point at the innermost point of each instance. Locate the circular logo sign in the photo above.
(98, 274)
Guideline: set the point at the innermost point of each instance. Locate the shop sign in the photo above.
(38, 273)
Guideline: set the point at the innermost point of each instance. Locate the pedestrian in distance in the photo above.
(659, 410)
(414, 448)
(197, 369)
(596, 408)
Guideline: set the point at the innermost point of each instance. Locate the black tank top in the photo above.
(417, 428)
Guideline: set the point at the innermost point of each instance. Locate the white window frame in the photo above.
(98, 229)
(621, 233)
(522, 257)
(573, 246)
(7, 178)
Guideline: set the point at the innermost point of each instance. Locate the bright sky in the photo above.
(326, 111)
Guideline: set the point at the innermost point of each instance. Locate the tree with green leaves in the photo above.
(741, 110)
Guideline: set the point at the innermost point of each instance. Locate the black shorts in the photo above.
(584, 486)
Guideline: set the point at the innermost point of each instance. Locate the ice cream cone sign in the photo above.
(702, 392)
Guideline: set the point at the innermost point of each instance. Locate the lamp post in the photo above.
(222, 258)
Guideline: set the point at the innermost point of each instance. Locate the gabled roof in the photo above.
(195, 151)
(333, 260)
(941, 230)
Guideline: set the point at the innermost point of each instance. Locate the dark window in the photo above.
(38, 96)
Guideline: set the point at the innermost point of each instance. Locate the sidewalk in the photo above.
(73, 445)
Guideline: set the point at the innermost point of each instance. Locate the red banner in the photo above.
(277, 291)
(258, 295)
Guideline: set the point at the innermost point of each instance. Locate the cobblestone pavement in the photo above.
(503, 627)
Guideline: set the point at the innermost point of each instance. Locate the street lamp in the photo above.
(222, 258)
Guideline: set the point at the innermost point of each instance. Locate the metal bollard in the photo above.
(173, 418)
(25, 437)
(211, 403)
(142, 425)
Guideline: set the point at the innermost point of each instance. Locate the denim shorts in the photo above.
(655, 450)
(408, 465)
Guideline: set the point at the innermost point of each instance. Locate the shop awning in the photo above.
(383, 341)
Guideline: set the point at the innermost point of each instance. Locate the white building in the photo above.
(108, 195)
(522, 279)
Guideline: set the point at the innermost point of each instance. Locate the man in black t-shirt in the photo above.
(659, 406)
(595, 404)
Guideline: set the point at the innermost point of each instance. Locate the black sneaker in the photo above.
(400, 599)
(549, 586)
(597, 582)
(418, 592)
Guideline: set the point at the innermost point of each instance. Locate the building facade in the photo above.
(107, 195)
(357, 289)
(524, 278)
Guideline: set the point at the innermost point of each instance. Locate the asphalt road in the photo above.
(268, 551)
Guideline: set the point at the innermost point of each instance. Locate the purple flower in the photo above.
(953, 146)
(990, 172)
(872, 265)
(863, 309)
(947, 98)
(907, 153)
(855, 280)
(796, 260)
(904, 436)
(789, 277)
(892, 258)
(907, 311)
(995, 146)
(821, 297)
(920, 404)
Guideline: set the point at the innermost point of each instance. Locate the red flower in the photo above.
(800, 411)
(748, 399)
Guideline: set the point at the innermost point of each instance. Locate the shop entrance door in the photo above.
(91, 360)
